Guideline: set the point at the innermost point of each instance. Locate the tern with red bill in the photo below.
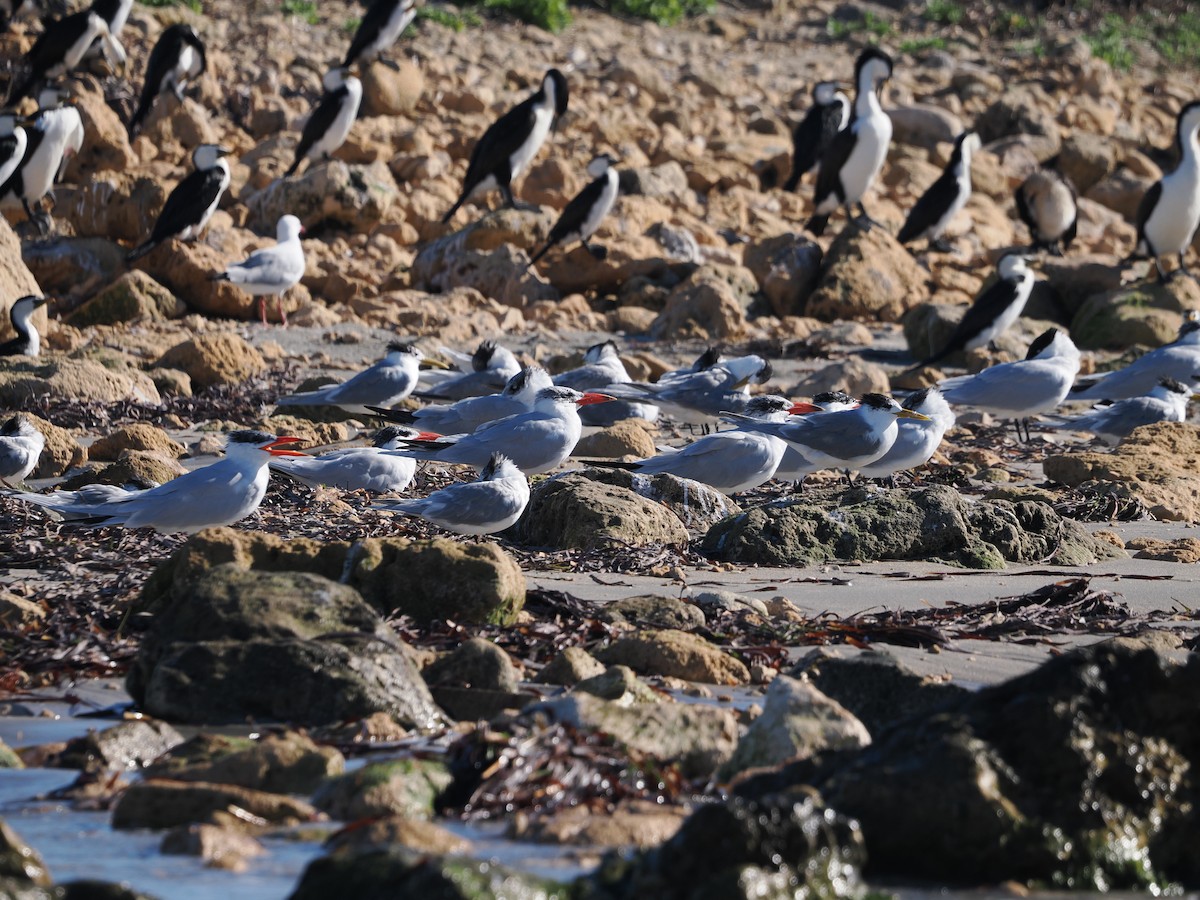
(536, 441)
(272, 271)
(220, 494)
(489, 504)
(376, 468)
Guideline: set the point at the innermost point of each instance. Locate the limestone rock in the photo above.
(712, 303)
(653, 611)
(219, 357)
(572, 511)
(924, 125)
(668, 180)
(165, 804)
(619, 684)
(475, 663)
(787, 268)
(286, 763)
(119, 206)
(1146, 314)
(1076, 279)
(105, 141)
(62, 451)
(1086, 159)
(132, 469)
(19, 861)
(22, 378)
(399, 831)
(73, 268)
(624, 439)
(697, 505)
(139, 436)
(503, 274)
(406, 787)
(187, 270)
(572, 665)
(631, 824)
(392, 92)
(1121, 192)
(336, 193)
(854, 375)
(1019, 111)
(868, 276)
(126, 745)
(134, 297)
(221, 847)
(677, 654)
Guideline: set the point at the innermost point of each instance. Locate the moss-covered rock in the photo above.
(19, 861)
(932, 523)
(407, 787)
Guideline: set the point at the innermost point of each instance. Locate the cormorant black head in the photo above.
(106, 9)
(482, 356)
(1044, 340)
(878, 63)
(556, 82)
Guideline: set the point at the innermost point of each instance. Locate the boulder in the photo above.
(653, 611)
(1086, 159)
(797, 722)
(1120, 191)
(1018, 111)
(787, 268)
(166, 804)
(105, 140)
(573, 511)
(571, 666)
(503, 274)
(475, 663)
(635, 823)
(1080, 770)
(619, 684)
(284, 763)
(711, 304)
(134, 297)
(932, 523)
(61, 453)
(668, 181)
(696, 505)
(1076, 279)
(127, 745)
(139, 436)
(1148, 314)
(924, 125)
(19, 861)
(71, 268)
(853, 375)
(61, 377)
(354, 197)
(626, 439)
(391, 91)
(133, 468)
(215, 358)
(699, 738)
(676, 654)
(262, 644)
(222, 847)
(119, 206)
(406, 787)
(399, 831)
(869, 276)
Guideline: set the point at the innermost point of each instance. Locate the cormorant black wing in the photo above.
(930, 207)
(186, 204)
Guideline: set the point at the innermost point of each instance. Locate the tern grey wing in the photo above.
(379, 385)
(586, 378)
(836, 436)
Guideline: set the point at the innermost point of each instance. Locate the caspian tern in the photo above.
(272, 271)
(20, 448)
(1167, 402)
(1017, 390)
(1179, 359)
(387, 382)
(220, 494)
(916, 439)
(702, 395)
(536, 441)
(489, 504)
(847, 439)
(376, 468)
(601, 369)
(465, 416)
(487, 371)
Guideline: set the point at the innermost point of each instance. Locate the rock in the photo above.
(398, 831)
(392, 92)
(134, 297)
(286, 763)
(1154, 463)
(631, 824)
(875, 686)
(924, 125)
(797, 722)
(61, 453)
(215, 358)
(171, 382)
(476, 663)
(260, 643)
(699, 738)
(787, 268)
(19, 861)
(1121, 192)
(105, 141)
(1147, 314)
(335, 193)
(668, 181)
(119, 206)
(783, 845)
(619, 684)
(223, 848)
(186, 270)
(715, 602)
(853, 375)
(8, 759)
(133, 468)
(16, 281)
(1180, 550)
(82, 380)
(73, 268)
(165, 804)
(1019, 111)
(654, 612)
(697, 505)
(1051, 765)
(711, 304)
(139, 436)
(932, 523)
(469, 583)
(569, 667)
(1075, 279)
(127, 745)
(1086, 159)
(676, 654)
(406, 787)
(572, 511)
(503, 274)
(869, 276)
(619, 441)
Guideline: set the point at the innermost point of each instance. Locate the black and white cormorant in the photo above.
(510, 144)
(1046, 203)
(828, 115)
(55, 133)
(177, 59)
(945, 197)
(13, 141)
(381, 27)
(27, 342)
(193, 201)
(583, 214)
(61, 47)
(329, 125)
(1170, 210)
(857, 152)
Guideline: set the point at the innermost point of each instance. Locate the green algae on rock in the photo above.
(931, 523)
(407, 787)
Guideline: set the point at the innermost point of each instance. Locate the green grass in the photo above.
(304, 9)
(552, 15)
(920, 45)
(193, 5)
(441, 15)
(664, 12)
(872, 25)
(351, 25)
(944, 12)
(1112, 41)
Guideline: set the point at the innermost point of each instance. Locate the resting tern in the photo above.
(1166, 402)
(702, 395)
(486, 371)
(602, 368)
(387, 382)
(713, 355)
(916, 439)
(489, 504)
(795, 467)
(220, 494)
(847, 439)
(536, 441)
(465, 416)
(20, 448)
(1179, 360)
(1017, 390)
(272, 270)
(376, 468)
